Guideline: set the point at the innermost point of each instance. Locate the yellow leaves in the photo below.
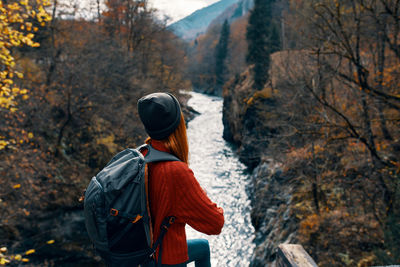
(6, 91)
(108, 141)
(24, 137)
(23, 2)
(8, 81)
(29, 27)
(19, 75)
(31, 251)
(42, 15)
(266, 92)
(16, 31)
(18, 257)
(35, 45)
(50, 242)
(3, 144)
(4, 259)
(17, 186)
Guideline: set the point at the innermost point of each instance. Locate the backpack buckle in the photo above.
(138, 217)
(114, 212)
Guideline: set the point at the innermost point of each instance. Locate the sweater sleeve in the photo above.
(192, 204)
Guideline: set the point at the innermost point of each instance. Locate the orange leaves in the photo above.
(26, 212)
(310, 224)
(117, 10)
(15, 137)
(397, 167)
(389, 78)
(381, 146)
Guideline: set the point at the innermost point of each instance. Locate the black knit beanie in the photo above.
(160, 114)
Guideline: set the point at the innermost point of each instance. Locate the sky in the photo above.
(178, 9)
(174, 9)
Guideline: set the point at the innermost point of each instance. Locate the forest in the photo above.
(316, 87)
(68, 96)
(325, 106)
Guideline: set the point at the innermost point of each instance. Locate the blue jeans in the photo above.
(199, 252)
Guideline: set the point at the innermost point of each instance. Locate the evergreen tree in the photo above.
(221, 53)
(263, 40)
(390, 252)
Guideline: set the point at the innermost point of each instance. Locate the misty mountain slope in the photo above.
(233, 12)
(189, 27)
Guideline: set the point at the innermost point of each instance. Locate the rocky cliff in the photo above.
(250, 122)
(244, 114)
(270, 193)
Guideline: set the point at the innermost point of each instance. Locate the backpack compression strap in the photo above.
(166, 223)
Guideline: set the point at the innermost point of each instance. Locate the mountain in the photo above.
(233, 12)
(189, 27)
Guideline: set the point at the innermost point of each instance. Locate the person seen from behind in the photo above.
(173, 188)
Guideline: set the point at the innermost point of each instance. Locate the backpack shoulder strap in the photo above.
(154, 155)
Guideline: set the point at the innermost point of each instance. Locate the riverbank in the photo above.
(311, 184)
(269, 188)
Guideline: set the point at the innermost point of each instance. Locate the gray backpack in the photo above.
(117, 217)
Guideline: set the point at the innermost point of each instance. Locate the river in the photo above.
(222, 176)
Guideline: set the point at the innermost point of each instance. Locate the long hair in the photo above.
(177, 142)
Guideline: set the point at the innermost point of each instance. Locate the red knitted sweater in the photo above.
(174, 191)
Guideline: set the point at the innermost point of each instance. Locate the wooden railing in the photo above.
(289, 255)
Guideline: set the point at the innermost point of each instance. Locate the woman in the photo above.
(173, 189)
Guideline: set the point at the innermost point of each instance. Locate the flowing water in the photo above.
(222, 176)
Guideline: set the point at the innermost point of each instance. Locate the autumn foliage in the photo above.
(68, 98)
(16, 29)
(202, 64)
(335, 104)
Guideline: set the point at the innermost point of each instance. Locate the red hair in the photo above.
(177, 142)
